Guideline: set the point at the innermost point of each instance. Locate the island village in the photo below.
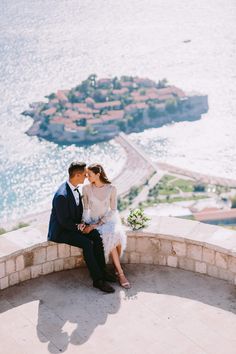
(98, 110)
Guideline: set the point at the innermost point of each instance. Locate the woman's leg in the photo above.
(116, 260)
(118, 250)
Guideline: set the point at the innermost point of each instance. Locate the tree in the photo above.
(98, 96)
(171, 105)
(162, 83)
(153, 112)
(115, 83)
(92, 79)
(122, 125)
(73, 98)
(127, 78)
(198, 187)
(51, 96)
(81, 122)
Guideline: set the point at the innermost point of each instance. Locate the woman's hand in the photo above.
(89, 228)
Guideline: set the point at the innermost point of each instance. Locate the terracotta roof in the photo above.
(54, 100)
(144, 81)
(165, 97)
(113, 115)
(61, 95)
(59, 119)
(141, 105)
(79, 105)
(96, 121)
(171, 89)
(71, 114)
(107, 104)
(104, 81)
(126, 83)
(68, 105)
(50, 111)
(85, 116)
(120, 91)
(89, 100)
(215, 215)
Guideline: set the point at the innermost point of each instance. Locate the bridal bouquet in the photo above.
(137, 219)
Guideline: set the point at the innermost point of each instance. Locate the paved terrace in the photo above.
(167, 311)
(183, 299)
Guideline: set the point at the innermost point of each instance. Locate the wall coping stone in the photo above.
(169, 241)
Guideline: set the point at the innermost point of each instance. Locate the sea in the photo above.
(46, 45)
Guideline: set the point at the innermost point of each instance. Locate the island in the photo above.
(99, 109)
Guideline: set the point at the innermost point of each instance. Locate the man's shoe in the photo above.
(109, 277)
(103, 286)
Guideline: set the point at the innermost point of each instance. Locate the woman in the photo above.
(100, 211)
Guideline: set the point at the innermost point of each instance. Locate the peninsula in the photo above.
(99, 109)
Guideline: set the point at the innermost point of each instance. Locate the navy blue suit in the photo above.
(65, 215)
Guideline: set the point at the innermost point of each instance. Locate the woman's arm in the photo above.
(86, 212)
(113, 206)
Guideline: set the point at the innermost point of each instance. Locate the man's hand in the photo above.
(87, 229)
(81, 227)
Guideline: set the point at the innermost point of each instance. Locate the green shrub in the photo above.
(2, 231)
(20, 225)
(233, 200)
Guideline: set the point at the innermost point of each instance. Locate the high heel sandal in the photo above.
(124, 283)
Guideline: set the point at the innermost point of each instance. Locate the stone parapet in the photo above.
(167, 241)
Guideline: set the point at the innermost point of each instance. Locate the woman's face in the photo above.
(93, 177)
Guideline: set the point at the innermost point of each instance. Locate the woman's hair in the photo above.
(97, 168)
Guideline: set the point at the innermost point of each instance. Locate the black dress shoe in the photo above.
(109, 277)
(103, 286)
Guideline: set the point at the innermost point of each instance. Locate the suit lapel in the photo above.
(72, 202)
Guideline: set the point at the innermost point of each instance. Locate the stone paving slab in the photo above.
(167, 311)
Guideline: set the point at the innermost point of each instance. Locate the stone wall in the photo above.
(173, 242)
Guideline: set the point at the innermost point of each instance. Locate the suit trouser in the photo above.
(92, 247)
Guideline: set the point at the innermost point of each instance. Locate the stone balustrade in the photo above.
(167, 241)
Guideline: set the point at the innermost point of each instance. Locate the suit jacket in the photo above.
(65, 215)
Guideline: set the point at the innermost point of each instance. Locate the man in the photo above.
(65, 226)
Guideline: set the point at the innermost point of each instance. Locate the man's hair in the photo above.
(76, 166)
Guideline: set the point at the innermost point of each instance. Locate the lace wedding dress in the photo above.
(101, 203)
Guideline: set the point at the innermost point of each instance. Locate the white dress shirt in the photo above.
(75, 193)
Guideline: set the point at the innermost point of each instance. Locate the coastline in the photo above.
(134, 158)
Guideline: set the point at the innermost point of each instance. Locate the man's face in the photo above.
(81, 176)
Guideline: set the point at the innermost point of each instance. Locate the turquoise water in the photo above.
(46, 45)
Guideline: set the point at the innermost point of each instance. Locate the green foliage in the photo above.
(20, 225)
(126, 78)
(81, 122)
(198, 187)
(2, 231)
(184, 184)
(73, 98)
(51, 96)
(122, 125)
(122, 204)
(116, 84)
(154, 112)
(171, 105)
(162, 83)
(233, 201)
(98, 96)
(137, 219)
